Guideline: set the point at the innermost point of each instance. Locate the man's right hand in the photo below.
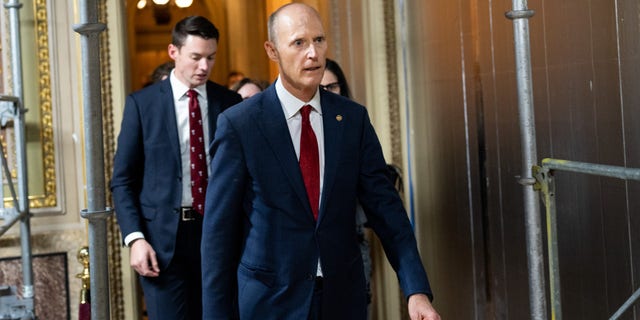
(143, 258)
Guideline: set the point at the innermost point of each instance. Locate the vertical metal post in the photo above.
(520, 16)
(552, 245)
(23, 193)
(547, 186)
(89, 28)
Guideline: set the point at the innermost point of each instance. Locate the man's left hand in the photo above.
(420, 308)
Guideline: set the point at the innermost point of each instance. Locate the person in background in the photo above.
(247, 88)
(160, 172)
(279, 235)
(334, 80)
(162, 71)
(233, 77)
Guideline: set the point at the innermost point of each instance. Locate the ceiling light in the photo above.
(141, 4)
(161, 2)
(183, 3)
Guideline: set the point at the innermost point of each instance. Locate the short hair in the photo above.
(162, 70)
(334, 67)
(196, 26)
(236, 86)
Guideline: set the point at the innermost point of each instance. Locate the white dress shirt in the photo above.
(291, 107)
(181, 104)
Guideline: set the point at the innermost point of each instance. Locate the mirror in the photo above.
(37, 99)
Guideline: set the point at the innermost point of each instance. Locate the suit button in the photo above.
(311, 277)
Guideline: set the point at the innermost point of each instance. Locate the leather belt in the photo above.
(188, 214)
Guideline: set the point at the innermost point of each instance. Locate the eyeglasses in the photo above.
(334, 86)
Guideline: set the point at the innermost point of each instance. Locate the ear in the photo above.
(270, 48)
(173, 51)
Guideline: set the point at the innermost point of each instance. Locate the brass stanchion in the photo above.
(84, 312)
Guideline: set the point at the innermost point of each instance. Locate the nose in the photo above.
(312, 53)
(203, 64)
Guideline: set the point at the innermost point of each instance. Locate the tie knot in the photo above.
(192, 93)
(305, 111)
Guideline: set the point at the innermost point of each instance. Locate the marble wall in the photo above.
(54, 271)
(51, 285)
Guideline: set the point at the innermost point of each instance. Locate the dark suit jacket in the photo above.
(260, 239)
(147, 173)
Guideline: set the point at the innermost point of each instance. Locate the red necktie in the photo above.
(310, 161)
(199, 174)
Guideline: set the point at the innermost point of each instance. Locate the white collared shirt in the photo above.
(181, 104)
(291, 107)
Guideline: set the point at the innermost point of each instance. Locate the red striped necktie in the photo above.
(310, 161)
(199, 174)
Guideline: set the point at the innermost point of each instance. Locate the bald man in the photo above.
(279, 238)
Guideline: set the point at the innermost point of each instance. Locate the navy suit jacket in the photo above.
(260, 242)
(147, 171)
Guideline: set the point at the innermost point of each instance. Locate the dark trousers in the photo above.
(315, 312)
(177, 292)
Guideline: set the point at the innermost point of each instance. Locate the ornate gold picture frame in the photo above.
(40, 147)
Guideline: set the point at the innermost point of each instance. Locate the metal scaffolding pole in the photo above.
(546, 185)
(13, 7)
(520, 15)
(97, 213)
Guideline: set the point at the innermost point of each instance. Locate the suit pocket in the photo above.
(149, 213)
(267, 277)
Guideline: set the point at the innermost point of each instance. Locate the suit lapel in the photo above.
(215, 107)
(272, 123)
(169, 117)
(333, 124)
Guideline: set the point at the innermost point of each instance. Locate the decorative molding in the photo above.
(393, 95)
(392, 80)
(5, 49)
(113, 232)
(49, 199)
(3, 28)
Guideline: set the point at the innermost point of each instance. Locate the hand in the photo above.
(143, 258)
(421, 309)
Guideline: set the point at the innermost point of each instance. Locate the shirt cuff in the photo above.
(132, 236)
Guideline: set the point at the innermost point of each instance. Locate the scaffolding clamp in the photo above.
(544, 182)
(98, 214)
(9, 106)
(527, 181)
(519, 14)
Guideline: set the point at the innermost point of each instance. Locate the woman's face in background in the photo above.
(330, 82)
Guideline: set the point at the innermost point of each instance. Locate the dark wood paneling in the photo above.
(585, 65)
(443, 207)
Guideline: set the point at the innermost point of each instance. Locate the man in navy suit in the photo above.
(151, 182)
(264, 254)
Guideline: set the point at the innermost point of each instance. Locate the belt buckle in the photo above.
(187, 214)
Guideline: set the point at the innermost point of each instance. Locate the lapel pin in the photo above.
(339, 117)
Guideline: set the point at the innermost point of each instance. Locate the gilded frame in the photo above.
(41, 122)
